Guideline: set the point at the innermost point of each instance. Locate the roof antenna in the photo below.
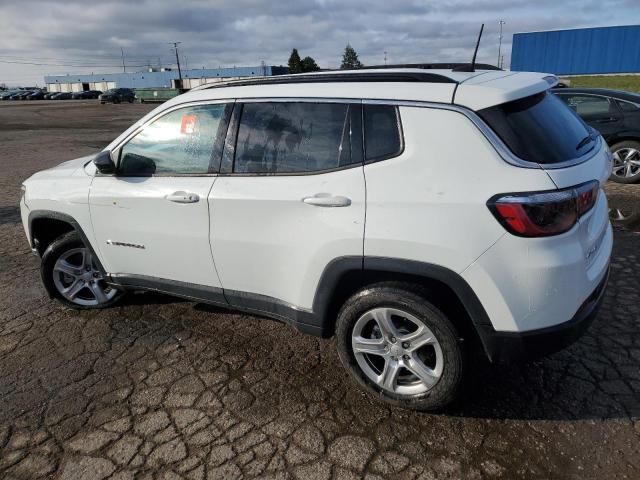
(472, 66)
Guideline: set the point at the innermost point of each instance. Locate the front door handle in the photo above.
(606, 120)
(327, 200)
(183, 197)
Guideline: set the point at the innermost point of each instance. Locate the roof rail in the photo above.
(434, 66)
(333, 77)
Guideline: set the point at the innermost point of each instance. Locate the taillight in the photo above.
(542, 214)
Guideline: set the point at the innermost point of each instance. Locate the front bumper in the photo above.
(504, 347)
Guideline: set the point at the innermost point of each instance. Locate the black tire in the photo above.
(620, 146)
(411, 299)
(53, 252)
(130, 100)
(102, 103)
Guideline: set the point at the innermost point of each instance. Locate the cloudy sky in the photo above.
(76, 36)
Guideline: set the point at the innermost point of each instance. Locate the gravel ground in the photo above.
(161, 388)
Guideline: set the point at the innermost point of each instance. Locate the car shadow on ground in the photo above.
(596, 378)
(9, 215)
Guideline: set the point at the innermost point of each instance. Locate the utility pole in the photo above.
(175, 46)
(385, 57)
(501, 22)
(124, 69)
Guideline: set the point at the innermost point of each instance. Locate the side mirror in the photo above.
(134, 165)
(104, 162)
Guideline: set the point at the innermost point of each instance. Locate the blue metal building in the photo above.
(578, 52)
(155, 79)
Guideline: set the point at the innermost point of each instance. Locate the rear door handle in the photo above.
(327, 200)
(183, 197)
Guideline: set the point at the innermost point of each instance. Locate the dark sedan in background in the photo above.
(616, 115)
(61, 96)
(117, 95)
(87, 94)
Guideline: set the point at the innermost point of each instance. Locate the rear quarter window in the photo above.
(382, 132)
(540, 129)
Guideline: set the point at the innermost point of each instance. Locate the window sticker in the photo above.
(188, 124)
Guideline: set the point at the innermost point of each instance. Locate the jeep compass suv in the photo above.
(417, 216)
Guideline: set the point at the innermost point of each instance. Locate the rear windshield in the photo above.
(540, 129)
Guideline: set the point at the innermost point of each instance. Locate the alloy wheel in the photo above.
(397, 351)
(626, 162)
(77, 278)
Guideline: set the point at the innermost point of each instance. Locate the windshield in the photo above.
(540, 129)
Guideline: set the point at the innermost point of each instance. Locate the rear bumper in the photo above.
(522, 346)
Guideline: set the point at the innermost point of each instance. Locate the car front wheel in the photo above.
(626, 162)
(400, 347)
(70, 274)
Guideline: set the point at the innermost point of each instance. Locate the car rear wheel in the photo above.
(626, 162)
(70, 274)
(400, 347)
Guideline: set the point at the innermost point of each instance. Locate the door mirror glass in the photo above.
(104, 163)
(134, 164)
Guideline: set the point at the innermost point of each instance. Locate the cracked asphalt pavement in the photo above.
(159, 388)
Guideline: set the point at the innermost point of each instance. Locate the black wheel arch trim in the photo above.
(624, 136)
(339, 267)
(53, 215)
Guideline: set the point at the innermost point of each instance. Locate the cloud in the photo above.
(245, 32)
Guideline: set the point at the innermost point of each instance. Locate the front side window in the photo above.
(629, 106)
(181, 142)
(292, 137)
(381, 132)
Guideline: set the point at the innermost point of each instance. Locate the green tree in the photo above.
(295, 64)
(309, 65)
(350, 59)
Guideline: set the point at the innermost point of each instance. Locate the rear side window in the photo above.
(539, 128)
(292, 137)
(382, 133)
(588, 105)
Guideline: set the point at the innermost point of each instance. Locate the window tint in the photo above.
(180, 142)
(586, 105)
(283, 137)
(539, 129)
(628, 106)
(381, 132)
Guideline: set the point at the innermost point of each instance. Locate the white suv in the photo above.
(413, 214)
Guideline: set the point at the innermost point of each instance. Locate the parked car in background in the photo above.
(81, 95)
(117, 95)
(38, 95)
(7, 94)
(337, 210)
(22, 94)
(49, 95)
(62, 96)
(616, 115)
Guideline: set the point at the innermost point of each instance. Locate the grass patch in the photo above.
(630, 83)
